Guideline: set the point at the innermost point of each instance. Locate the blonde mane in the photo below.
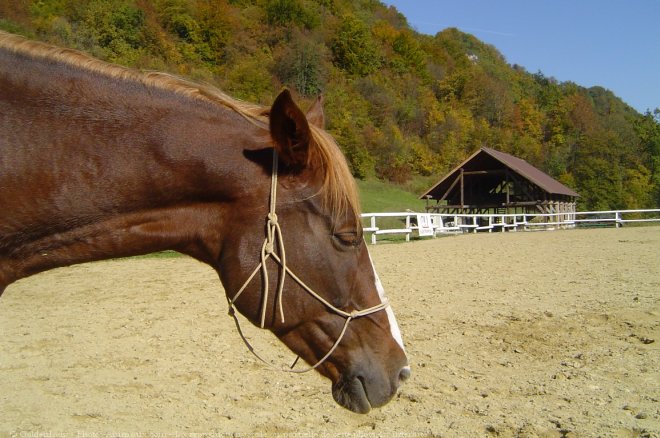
(339, 191)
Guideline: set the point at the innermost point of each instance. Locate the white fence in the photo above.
(434, 224)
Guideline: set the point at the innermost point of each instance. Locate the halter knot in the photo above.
(272, 218)
(269, 248)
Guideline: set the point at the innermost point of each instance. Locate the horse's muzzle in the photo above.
(361, 392)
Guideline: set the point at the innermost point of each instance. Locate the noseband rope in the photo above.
(272, 241)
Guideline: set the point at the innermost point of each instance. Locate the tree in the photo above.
(117, 28)
(300, 65)
(410, 56)
(353, 48)
(648, 130)
(289, 12)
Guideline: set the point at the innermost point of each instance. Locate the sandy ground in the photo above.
(515, 334)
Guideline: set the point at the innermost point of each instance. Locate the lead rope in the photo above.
(273, 238)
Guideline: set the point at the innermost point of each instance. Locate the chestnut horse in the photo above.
(100, 161)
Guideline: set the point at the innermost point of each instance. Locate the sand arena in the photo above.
(508, 334)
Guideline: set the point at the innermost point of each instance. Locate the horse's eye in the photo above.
(349, 238)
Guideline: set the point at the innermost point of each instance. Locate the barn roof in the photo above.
(482, 159)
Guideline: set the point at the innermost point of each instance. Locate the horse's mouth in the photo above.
(352, 395)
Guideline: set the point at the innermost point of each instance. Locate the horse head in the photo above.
(304, 271)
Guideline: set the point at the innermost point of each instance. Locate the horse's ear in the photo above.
(290, 131)
(315, 114)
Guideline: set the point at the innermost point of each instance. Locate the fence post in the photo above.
(408, 227)
(373, 227)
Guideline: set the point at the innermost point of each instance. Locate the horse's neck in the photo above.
(98, 173)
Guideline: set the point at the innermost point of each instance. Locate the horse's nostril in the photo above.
(404, 374)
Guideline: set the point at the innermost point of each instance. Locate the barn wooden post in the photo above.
(506, 184)
(462, 188)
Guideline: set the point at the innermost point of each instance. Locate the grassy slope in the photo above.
(378, 196)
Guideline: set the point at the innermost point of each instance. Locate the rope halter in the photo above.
(273, 248)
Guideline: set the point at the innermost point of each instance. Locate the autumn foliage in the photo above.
(401, 104)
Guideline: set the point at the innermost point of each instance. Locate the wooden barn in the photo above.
(490, 181)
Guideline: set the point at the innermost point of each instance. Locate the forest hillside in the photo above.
(403, 106)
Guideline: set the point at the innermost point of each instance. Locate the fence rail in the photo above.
(434, 224)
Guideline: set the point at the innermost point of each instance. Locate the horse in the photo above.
(100, 161)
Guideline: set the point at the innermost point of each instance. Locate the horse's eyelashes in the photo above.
(349, 239)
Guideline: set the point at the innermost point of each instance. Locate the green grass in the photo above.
(378, 196)
(159, 255)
